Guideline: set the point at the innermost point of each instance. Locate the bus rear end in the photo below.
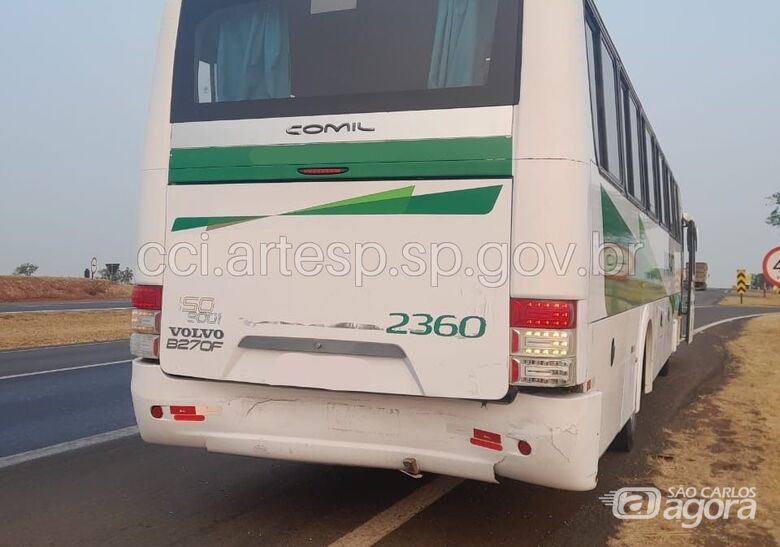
(337, 194)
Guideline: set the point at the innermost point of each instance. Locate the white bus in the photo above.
(427, 235)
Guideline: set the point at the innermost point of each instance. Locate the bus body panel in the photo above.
(488, 121)
(272, 313)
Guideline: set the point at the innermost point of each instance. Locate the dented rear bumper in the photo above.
(382, 431)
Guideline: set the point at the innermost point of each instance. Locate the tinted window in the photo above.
(634, 134)
(665, 196)
(611, 120)
(594, 93)
(675, 208)
(626, 148)
(268, 58)
(652, 203)
(658, 179)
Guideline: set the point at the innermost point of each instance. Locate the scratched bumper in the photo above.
(370, 430)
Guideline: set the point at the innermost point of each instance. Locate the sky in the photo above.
(77, 78)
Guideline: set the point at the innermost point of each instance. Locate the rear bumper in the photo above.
(381, 431)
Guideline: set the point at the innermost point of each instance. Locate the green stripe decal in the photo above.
(431, 158)
(473, 201)
(646, 284)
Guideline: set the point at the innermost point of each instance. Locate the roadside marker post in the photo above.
(742, 284)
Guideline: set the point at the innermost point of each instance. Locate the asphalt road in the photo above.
(18, 307)
(709, 297)
(47, 397)
(127, 493)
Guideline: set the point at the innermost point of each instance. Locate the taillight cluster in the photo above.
(147, 311)
(543, 339)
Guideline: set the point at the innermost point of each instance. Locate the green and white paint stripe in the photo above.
(646, 285)
(400, 201)
(482, 157)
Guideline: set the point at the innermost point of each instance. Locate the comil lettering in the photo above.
(318, 129)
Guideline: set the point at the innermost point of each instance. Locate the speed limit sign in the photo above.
(772, 267)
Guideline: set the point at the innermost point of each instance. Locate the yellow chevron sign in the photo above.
(742, 281)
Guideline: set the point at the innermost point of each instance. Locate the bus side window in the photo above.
(598, 131)
(650, 172)
(676, 220)
(625, 156)
(666, 197)
(611, 113)
(657, 186)
(633, 147)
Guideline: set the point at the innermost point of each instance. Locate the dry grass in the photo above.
(26, 289)
(733, 441)
(753, 300)
(31, 330)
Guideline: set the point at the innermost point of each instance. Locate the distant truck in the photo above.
(701, 276)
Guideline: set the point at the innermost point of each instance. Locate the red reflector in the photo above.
(487, 436)
(157, 412)
(183, 410)
(323, 171)
(186, 414)
(147, 297)
(487, 439)
(188, 418)
(514, 374)
(547, 314)
(524, 448)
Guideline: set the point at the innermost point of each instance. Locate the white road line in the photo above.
(392, 518)
(69, 369)
(731, 319)
(56, 449)
(64, 310)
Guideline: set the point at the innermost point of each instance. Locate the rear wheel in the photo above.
(624, 442)
(665, 370)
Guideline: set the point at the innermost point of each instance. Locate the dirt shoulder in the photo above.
(34, 330)
(729, 439)
(752, 300)
(32, 289)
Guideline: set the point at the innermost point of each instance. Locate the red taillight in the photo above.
(548, 314)
(156, 412)
(323, 171)
(147, 297)
(146, 322)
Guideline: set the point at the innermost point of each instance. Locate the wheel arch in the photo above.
(645, 359)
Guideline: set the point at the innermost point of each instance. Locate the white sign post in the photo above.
(93, 265)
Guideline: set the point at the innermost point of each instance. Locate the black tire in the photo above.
(624, 442)
(665, 369)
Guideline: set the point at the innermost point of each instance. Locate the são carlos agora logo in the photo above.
(689, 506)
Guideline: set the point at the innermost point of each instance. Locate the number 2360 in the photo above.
(447, 326)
